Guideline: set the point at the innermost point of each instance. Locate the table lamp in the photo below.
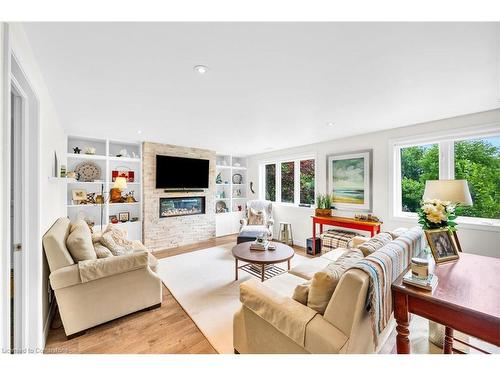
(455, 191)
(116, 191)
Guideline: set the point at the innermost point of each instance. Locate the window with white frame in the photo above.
(471, 157)
(290, 181)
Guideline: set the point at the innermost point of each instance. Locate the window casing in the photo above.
(290, 182)
(449, 167)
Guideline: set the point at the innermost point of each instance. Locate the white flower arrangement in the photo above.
(435, 213)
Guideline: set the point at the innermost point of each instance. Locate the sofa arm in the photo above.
(356, 241)
(285, 314)
(99, 268)
(64, 277)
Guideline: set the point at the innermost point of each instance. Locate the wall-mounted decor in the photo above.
(349, 178)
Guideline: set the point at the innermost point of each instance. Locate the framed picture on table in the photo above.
(443, 245)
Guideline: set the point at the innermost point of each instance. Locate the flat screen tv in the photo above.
(181, 173)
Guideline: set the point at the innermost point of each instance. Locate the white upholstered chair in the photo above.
(267, 228)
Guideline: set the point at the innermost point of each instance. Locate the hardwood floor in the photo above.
(167, 329)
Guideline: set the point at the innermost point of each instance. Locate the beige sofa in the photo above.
(121, 284)
(345, 326)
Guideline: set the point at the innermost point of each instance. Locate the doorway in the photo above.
(18, 118)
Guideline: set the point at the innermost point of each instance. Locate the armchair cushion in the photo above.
(286, 315)
(99, 268)
(256, 217)
(254, 230)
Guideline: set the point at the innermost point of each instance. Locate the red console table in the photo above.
(344, 222)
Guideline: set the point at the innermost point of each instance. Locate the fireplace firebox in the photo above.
(181, 206)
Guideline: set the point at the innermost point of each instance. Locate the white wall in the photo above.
(484, 241)
(52, 203)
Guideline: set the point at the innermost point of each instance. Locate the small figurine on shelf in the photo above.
(91, 198)
(218, 179)
(123, 153)
(76, 150)
(89, 150)
(129, 197)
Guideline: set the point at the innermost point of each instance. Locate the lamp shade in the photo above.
(120, 183)
(455, 191)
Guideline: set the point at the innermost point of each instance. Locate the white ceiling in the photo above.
(270, 85)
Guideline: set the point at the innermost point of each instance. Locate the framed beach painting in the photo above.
(350, 180)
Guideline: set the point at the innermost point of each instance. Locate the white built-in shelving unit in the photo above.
(234, 195)
(105, 157)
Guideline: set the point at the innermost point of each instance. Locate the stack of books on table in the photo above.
(262, 245)
(428, 284)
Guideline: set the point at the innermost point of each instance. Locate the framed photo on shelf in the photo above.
(349, 177)
(442, 244)
(79, 195)
(124, 216)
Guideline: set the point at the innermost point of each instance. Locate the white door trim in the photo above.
(5, 206)
(32, 258)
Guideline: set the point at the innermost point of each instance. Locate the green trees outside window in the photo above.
(287, 181)
(476, 160)
(270, 182)
(307, 181)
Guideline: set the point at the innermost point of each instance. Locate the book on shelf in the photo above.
(428, 284)
(259, 245)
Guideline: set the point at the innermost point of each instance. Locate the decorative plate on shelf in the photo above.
(237, 178)
(220, 207)
(88, 171)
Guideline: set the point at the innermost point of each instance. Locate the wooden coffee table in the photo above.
(262, 263)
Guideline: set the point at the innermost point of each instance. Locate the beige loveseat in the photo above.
(270, 321)
(117, 286)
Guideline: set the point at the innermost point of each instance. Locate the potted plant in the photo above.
(323, 205)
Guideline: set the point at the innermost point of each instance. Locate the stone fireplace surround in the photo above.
(169, 232)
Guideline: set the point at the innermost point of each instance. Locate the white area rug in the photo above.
(203, 283)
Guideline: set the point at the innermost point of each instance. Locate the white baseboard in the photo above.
(48, 322)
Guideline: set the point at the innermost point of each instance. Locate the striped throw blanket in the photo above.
(333, 239)
(383, 267)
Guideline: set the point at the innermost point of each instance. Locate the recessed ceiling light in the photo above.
(331, 124)
(139, 131)
(200, 69)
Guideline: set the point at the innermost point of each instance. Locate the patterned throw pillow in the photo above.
(102, 251)
(375, 243)
(256, 217)
(108, 241)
